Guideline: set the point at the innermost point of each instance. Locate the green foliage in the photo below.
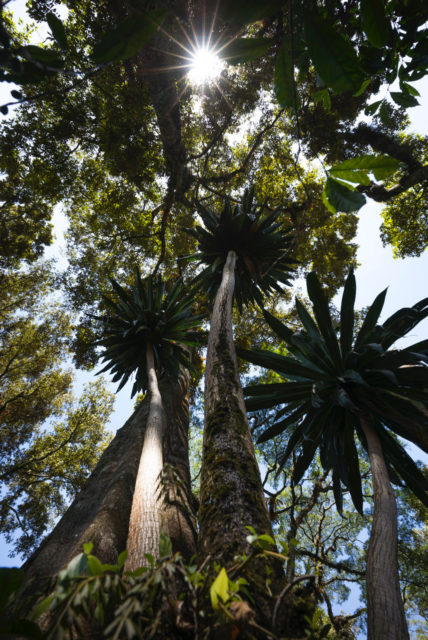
(332, 382)
(147, 314)
(263, 250)
(46, 473)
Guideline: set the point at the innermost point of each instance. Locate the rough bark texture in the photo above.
(178, 520)
(100, 513)
(385, 611)
(231, 490)
(145, 520)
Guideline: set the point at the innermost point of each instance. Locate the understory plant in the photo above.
(346, 384)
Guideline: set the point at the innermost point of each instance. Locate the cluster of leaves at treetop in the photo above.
(331, 384)
(263, 250)
(147, 314)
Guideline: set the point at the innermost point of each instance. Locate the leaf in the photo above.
(375, 22)
(122, 558)
(219, 589)
(75, 567)
(332, 54)
(372, 108)
(57, 29)
(42, 607)
(352, 169)
(49, 57)
(165, 546)
(404, 99)
(95, 566)
(347, 313)
(16, 94)
(243, 50)
(362, 88)
(284, 76)
(339, 197)
(128, 37)
(324, 97)
(87, 547)
(408, 88)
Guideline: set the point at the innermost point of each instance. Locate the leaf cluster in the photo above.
(333, 383)
(263, 250)
(147, 315)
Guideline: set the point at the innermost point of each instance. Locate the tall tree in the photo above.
(247, 256)
(146, 332)
(347, 387)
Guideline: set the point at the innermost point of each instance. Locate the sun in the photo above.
(205, 66)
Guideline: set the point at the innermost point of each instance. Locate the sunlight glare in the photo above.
(205, 67)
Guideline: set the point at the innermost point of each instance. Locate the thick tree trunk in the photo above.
(385, 611)
(145, 520)
(231, 489)
(101, 511)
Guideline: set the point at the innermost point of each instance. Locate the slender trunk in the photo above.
(385, 611)
(145, 520)
(231, 489)
(178, 519)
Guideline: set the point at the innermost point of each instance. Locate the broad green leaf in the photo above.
(324, 97)
(165, 545)
(57, 29)
(245, 49)
(219, 589)
(352, 169)
(372, 108)
(128, 37)
(42, 607)
(339, 197)
(404, 99)
(284, 76)
(49, 57)
(375, 22)
(95, 566)
(363, 87)
(332, 54)
(87, 547)
(75, 567)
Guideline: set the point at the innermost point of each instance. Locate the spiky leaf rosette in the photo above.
(147, 314)
(332, 380)
(262, 249)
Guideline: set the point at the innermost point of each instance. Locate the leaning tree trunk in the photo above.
(146, 512)
(100, 513)
(385, 611)
(231, 489)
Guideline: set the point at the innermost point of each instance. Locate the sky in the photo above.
(406, 278)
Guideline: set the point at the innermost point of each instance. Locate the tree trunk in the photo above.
(178, 519)
(100, 513)
(231, 489)
(145, 520)
(385, 611)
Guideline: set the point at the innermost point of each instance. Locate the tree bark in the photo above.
(145, 520)
(385, 612)
(231, 489)
(101, 512)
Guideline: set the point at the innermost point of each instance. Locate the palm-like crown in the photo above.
(332, 382)
(147, 314)
(263, 250)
